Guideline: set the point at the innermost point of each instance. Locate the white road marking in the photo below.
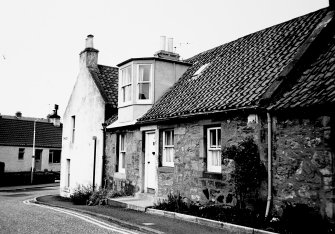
(83, 217)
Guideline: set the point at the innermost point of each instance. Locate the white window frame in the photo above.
(122, 153)
(124, 85)
(200, 70)
(167, 147)
(213, 148)
(138, 82)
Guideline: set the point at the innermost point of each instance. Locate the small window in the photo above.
(73, 128)
(200, 70)
(214, 149)
(21, 154)
(68, 172)
(144, 82)
(54, 156)
(122, 154)
(125, 84)
(168, 148)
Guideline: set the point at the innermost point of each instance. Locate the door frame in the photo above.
(155, 171)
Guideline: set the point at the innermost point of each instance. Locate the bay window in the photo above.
(144, 82)
(125, 84)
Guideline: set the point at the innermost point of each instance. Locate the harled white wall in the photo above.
(9, 155)
(88, 107)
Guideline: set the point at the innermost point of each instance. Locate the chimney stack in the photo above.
(89, 56)
(55, 118)
(167, 54)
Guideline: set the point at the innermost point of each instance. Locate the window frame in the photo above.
(21, 154)
(52, 154)
(122, 153)
(165, 163)
(138, 82)
(217, 147)
(73, 132)
(122, 91)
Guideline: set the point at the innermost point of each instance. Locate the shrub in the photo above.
(176, 203)
(300, 218)
(81, 194)
(249, 170)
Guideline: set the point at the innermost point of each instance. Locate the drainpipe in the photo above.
(95, 147)
(269, 165)
(103, 181)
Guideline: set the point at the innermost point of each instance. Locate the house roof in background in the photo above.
(106, 78)
(238, 73)
(19, 132)
(316, 83)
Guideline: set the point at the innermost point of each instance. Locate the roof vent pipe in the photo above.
(89, 41)
(163, 42)
(170, 44)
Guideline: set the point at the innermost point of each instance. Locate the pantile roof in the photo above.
(238, 73)
(20, 132)
(315, 85)
(106, 78)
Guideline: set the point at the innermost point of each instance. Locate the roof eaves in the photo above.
(154, 58)
(202, 114)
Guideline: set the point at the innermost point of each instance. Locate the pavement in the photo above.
(24, 187)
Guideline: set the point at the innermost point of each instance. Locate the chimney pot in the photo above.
(89, 41)
(163, 42)
(170, 44)
(18, 114)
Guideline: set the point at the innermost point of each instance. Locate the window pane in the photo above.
(50, 156)
(169, 154)
(126, 76)
(212, 136)
(144, 73)
(143, 91)
(123, 155)
(219, 137)
(56, 156)
(121, 142)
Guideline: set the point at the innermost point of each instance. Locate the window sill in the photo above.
(166, 169)
(212, 175)
(120, 175)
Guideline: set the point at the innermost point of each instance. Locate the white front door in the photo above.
(150, 162)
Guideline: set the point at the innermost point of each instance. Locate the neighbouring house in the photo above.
(92, 102)
(276, 86)
(20, 136)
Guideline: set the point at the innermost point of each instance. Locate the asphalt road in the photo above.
(17, 215)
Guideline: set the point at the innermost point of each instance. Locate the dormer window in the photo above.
(126, 82)
(144, 82)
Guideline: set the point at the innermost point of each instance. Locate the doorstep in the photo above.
(139, 202)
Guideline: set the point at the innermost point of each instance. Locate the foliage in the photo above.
(101, 196)
(177, 203)
(81, 194)
(300, 218)
(249, 170)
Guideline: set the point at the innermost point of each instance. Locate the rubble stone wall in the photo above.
(303, 163)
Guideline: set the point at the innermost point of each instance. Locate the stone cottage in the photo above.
(275, 85)
(92, 102)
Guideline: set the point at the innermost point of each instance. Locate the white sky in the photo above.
(40, 40)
